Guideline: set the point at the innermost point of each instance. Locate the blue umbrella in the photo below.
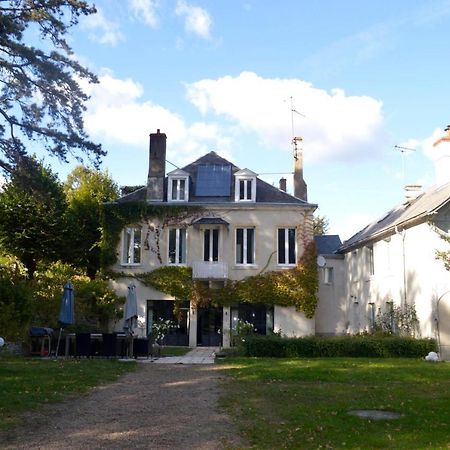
(66, 312)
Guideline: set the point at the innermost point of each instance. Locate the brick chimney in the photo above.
(442, 158)
(300, 188)
(157, 167)
(283, 184)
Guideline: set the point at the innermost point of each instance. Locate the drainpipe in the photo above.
(437, 321)
(403, 235)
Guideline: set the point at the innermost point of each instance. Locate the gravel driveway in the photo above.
(157, 407)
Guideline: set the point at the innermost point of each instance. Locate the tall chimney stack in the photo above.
(157, 167)
(300, 188)
(283, 184)
(441, 158)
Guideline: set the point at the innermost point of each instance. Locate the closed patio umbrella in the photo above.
(130, 314)
(66, 312)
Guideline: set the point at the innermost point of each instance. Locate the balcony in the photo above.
(206, 270)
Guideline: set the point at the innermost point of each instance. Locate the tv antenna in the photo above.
(295, 139)
(403, 150)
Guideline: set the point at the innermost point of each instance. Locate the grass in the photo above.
(28, 383)
(304, 403)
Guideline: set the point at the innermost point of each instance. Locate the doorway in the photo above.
(209, 327)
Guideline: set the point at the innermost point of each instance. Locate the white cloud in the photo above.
(117, 114)
(336, 126)
(145, 11)
(102, 30)
(196, 19)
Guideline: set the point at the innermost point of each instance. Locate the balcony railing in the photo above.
(206, 270)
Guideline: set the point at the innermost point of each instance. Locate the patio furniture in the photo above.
(142, 347)
(40, 340)
(83, 344)
(109, 344)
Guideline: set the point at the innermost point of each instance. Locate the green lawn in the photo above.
(27, 383)
(304, 403)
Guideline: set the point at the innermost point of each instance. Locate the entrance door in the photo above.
(209, 327)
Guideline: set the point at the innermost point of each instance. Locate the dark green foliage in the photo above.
(41, 99)
(33, 224)
(15, 300)
(321, 225)
(347, 346)
(86, 192)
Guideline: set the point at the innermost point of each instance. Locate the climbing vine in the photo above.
(296, 287)
(115, 216)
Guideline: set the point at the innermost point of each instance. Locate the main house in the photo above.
(234, 226)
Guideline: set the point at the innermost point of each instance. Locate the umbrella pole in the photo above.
(57, 346)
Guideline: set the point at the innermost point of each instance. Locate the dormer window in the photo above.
(178, 186)
(245, 186)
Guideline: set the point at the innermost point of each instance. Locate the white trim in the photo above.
(177, 246)
(178, 179)
(286, 246)
(247, 176)
(124, 254)
(244, 244)
(210, 259)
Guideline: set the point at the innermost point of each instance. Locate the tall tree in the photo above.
(86, 192)
(320, 225)
(40, 97)
(33, 215)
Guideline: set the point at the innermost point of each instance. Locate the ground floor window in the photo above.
(163, 309)
(259, 315)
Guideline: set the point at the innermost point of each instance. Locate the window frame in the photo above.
(328, 279)
(287, 248)
(247, 177)
(180, 239)
(245, 246)
(127, 251)
(170, 191)
(211, 230)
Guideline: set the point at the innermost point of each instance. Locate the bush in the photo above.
(345, 346)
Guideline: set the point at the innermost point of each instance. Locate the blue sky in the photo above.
(219, 74)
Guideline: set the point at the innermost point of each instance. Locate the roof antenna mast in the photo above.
(403, 150)
(295, 139)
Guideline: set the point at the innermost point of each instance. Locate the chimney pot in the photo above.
(283, 184)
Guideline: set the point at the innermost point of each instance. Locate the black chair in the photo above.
(109, 344)
(83, 344)
(142, 347)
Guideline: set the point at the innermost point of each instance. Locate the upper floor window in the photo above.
(245, 245)
(177, 246)
(211, 244)
(287, 248)
(369, 259)
(131, 250)
(178, 186)
(245, 186)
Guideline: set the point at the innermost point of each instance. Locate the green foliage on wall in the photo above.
(296, 287)
(115, 216)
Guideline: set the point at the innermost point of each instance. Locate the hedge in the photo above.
(347, 346)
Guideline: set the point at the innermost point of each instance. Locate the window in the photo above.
(328, 275)
(245, 186)
(178, 186)
(211, 244)
(245, 245)
(177, 246)
(131, 252)
(287, 246)
(369, 261)
(178, 189)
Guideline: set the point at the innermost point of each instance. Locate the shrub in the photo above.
(345, 346)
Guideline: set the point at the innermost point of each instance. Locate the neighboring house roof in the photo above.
(265, 193)
(402, 216)
(327, 244)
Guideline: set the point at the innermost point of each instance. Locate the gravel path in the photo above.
(157, 407)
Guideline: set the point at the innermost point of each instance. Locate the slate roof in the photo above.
(401, 216)
(327, 244)
(265, 193)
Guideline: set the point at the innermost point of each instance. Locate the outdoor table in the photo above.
(96, 336)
